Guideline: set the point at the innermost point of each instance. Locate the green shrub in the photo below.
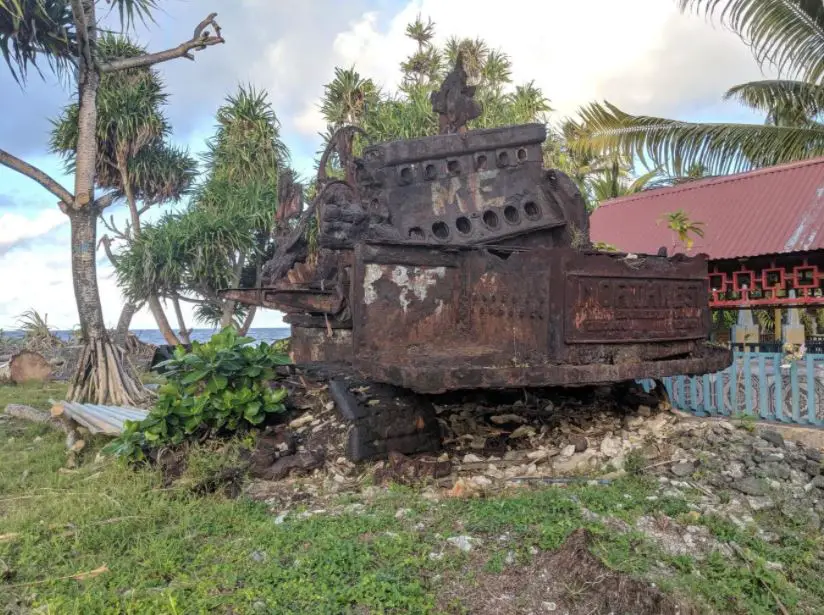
(222, 385)
(284, 345)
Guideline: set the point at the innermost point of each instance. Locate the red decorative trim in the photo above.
(750, 287)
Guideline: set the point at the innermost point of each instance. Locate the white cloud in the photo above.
(16, 228)
(640, 54)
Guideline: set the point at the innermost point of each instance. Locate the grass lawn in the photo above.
(169, 551)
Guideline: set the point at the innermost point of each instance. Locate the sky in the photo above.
(642, 55)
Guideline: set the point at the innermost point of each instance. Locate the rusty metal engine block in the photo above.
(457, 261)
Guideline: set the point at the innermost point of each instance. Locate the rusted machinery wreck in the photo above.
(457, 261)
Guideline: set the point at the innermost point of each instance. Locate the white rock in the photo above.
(435, 556)
(281, 518)
(480, 481)
(524, 431)
(471, 458)
(549, 606)
(568, 450)
(510, 558)
(302, 421)
(464, 543)
(538, 455)
(402, 512)
(611, 446)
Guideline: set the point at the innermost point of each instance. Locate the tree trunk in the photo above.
(184, 332)
(247, 322)
(229, 306)
(162, 321)
(154, 302)
(102, 375)
(130, 308)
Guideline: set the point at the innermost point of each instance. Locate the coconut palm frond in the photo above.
(677, 145)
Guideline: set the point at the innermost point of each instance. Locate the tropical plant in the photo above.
(682, 227)
(220, 386)
(350, 99)
(787, 35)
(222, 237)
(37, 334)
(133, 158)
(65, 33)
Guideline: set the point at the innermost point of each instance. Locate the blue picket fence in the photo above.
(758, 384)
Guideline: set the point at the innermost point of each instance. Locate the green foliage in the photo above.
(352, 99)
(604, 246)
(680, 224)
(222, 236)
(222, 385)
(131, 132)
(283, 346)
(37, 334)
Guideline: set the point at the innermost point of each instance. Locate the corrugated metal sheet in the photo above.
(769, 211)
(101, 419)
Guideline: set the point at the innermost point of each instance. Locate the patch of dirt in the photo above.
(570, 580)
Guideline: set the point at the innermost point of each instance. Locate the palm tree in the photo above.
(65, 32)
(681, 225)
(347, 97)
(132, 157)
(785, 34)
(219, 239)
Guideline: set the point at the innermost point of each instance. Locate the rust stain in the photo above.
(449, 264)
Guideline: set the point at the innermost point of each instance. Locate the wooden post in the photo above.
(777, 320)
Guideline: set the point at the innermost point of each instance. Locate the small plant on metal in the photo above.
(220, 386)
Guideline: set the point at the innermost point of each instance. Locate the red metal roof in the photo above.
(769, 211)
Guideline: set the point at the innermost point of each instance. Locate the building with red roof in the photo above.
(763, 232)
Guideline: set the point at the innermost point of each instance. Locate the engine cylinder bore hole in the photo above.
(440, 230)
(532, 211)
(503, 159)
(490, 218)
(511, 214)
(463, 225)
(522, 154)
(454, 167)
(416, 233)
(406, 175)
(480, 163)
(430, 172)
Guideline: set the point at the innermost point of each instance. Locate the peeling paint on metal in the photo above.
(371, 275)
(415, 280)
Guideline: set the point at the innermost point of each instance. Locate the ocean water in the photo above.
(153, 336)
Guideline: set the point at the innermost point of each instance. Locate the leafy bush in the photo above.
(222, 385)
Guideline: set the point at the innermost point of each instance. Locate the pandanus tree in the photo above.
(351, 99)
(223, 236)
(786, 35)
(134, 159)
(66, 34)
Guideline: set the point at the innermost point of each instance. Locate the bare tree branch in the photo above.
(21, 166)
(201, 39)
(143, 210)
(104, 201)
(106, 242)
(113, 227)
